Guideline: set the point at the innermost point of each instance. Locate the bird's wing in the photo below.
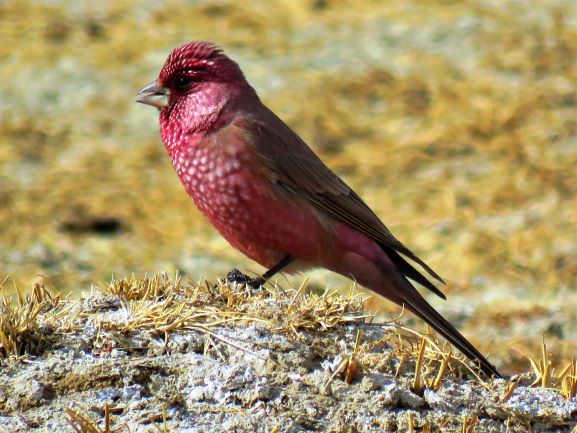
(287, 161)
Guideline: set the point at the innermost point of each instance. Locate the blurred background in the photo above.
(455, 120)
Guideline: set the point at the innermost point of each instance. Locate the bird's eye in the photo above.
(182, 82)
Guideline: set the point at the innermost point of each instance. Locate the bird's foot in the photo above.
(235, 276)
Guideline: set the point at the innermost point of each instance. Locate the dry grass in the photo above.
(454, 120)
(547, 376)
(19, 327)
(166, 304)
(81, 422)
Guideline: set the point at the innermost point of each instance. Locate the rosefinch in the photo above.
(269, 194)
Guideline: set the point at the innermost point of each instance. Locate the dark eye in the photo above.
(186, 77)
(182, 82)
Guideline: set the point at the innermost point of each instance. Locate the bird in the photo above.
(270, 196)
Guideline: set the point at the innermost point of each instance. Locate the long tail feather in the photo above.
(421, 308)
(414, 301)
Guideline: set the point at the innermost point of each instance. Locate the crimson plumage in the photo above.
(269, 194)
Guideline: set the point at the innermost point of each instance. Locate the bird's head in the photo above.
(195, 83)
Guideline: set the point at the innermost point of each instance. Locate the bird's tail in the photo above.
(414, 302)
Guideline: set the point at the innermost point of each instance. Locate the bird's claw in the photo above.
(235, 276)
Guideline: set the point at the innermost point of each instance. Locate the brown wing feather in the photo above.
(289, 162)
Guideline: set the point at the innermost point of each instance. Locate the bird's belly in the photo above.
(263, 223)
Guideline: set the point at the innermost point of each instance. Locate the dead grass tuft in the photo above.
(307, 310)
(20, 332)
(156, 287)
(546, 376)
(82, 423)
(164, 305)
(469, 424)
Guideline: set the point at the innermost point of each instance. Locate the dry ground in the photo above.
(160, 355)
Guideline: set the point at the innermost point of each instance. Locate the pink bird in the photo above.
(269, 194)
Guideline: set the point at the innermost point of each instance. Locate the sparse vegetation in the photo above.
(19, 327)
(326, 340)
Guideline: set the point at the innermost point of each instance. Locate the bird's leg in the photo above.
(259, 281)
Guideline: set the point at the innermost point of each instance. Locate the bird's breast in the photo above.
(245, 208)
(213, 181)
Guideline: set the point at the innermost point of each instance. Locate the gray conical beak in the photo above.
(154, 94)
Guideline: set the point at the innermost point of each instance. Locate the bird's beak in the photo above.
(154, 94)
